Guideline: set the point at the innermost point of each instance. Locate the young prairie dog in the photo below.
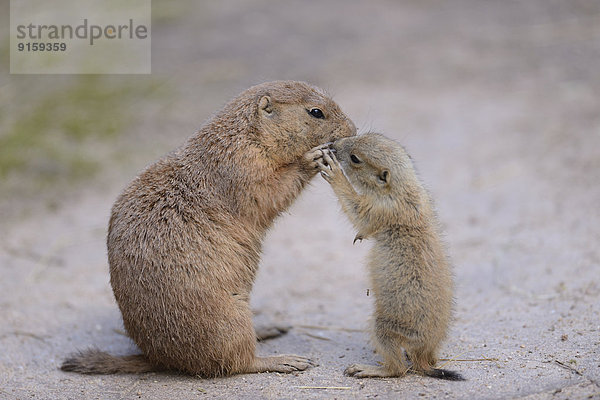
(185, 237)
(375, 182)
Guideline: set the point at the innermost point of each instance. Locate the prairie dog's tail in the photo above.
(444, 374)
(94, 361)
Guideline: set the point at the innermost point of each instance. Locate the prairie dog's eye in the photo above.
(317, 113)
(355, 159)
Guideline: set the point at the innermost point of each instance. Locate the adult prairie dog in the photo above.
(185, 237)
(375, 182)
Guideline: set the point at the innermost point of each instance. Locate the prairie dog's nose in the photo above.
(337, 145)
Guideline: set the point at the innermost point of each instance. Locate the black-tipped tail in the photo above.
(439, 373)
(93, 361)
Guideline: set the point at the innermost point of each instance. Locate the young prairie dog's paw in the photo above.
(329, 166)
(313, 155)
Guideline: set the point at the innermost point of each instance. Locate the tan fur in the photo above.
(185, 237)
(409, 270)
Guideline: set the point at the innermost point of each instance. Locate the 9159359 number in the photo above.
(41, 46)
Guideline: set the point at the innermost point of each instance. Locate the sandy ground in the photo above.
(498, 103)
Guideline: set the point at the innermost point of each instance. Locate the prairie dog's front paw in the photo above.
(312, 156)
(329, 166)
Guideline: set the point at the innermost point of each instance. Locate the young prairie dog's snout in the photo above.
(375, 182)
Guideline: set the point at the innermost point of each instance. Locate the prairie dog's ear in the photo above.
(265, 104)
(384, 176)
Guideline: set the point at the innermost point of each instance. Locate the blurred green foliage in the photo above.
(60, 130)
(50, 137)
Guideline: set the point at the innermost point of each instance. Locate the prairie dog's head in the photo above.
(380, 168)
(374, 162)
(293, 117)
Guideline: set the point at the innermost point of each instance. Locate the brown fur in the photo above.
(185, 237)
(409, 270)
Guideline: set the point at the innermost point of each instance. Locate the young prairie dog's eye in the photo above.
(355, 159)
(317, 113)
